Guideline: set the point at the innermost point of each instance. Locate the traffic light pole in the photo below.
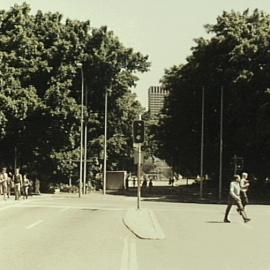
(138, 139)
(139, 177)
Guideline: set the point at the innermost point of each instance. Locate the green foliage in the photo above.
(40, 90)
(235, 57)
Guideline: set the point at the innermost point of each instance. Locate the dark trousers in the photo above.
(244, 198)
(239, 204)
(17, 188)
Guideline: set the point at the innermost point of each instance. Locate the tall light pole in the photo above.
(220, 144)
(85, 148)
(81, 130)
(202, 146)
(105, 143)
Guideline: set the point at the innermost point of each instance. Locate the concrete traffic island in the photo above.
(143, 224)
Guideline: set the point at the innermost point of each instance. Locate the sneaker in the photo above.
(247, 220)
(227, 221)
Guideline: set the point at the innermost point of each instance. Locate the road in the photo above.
(64, 232)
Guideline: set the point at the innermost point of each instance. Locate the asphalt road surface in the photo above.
(64, 232)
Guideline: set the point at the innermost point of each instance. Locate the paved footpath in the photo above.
(65, 232)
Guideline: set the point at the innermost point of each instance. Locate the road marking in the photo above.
(124, 259)
(129, 255)
(133, 265)
(79, 207)
(34, 224)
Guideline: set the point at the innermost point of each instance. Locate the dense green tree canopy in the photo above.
(235, 57)
(40, 92)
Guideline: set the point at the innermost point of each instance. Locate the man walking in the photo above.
(3, 181)
(234, 198)
(244, 184)
(17, 184)
(25, 186)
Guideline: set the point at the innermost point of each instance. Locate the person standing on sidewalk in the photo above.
(3, 181)
(9, 184)
(244, 184)
(234, 198)
(26, 184)
(17, 184)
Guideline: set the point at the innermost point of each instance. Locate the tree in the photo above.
(235, 57)
(40, 87)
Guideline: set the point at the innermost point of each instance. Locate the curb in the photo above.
(144, 224)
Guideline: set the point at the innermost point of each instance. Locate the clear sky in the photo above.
(162, 29)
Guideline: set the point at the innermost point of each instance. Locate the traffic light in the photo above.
(138, 131)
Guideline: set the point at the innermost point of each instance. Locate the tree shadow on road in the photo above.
(190, 194)
(177, 194)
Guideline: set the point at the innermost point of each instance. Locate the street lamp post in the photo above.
(81, 130)
(202, 147)
(221, 144)
(85, 149)
(105, 143)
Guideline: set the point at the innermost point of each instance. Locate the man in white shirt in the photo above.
(234, 198)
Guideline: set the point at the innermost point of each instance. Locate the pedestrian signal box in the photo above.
(138, 131)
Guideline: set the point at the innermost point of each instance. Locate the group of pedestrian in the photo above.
(147, 182)
(238, 196)
(19, 183)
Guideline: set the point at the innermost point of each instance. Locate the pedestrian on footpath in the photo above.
(9, 184)
(150, 185)
(25, 186)
(244, 184)
(3, 181)
(17, 183)
(128, 179)
(37, 186)
(234, 198)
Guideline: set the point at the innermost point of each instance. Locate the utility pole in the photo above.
(202, 147)
(82, 120)
(221, 144)
(138, 139)
(85, 148)
(139, 177)
(15, 158)
(105, 143)
(69, 178)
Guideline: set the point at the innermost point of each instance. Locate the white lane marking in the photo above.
(129, 255)
(124, 259)
(133, 265)
(34, 224)
(82, 207)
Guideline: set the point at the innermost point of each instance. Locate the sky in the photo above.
(162, 29)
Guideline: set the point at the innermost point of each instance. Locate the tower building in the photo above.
(156, 96)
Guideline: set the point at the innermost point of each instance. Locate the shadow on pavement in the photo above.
(191, 194)
(215, 222)
(175, 194)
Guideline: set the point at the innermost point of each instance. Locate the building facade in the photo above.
(156, 96)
